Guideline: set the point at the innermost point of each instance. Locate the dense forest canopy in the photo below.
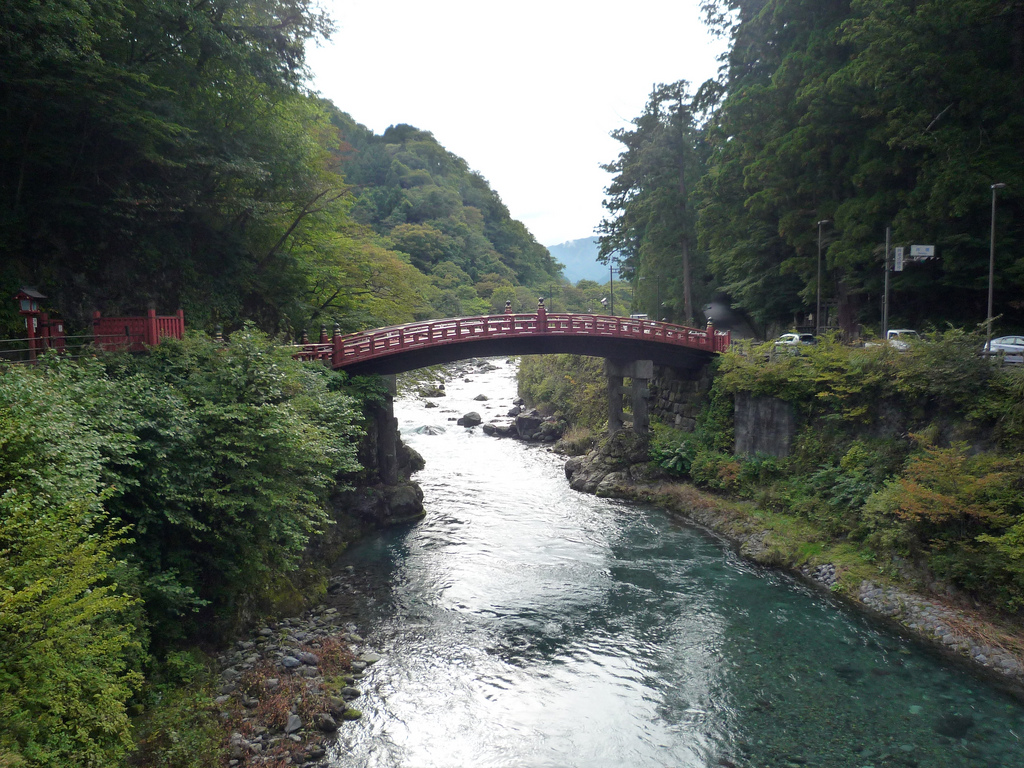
(863, 114)
(168, 152)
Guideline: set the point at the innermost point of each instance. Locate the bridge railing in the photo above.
(367, 345)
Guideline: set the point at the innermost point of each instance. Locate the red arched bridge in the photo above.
(415, 345)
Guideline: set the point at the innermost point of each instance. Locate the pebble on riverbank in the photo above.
(943, 624)
(284, 691)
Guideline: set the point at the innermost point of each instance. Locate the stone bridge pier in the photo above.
(640, 372)
(387, 433)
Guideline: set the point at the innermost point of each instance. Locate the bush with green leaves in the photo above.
(143, 497)
(71, 639)
(237, 447)
(573, 385)
(859, 470)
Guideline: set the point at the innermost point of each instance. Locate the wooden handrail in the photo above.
(357, 347)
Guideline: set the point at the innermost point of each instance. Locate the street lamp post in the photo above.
(817, 309)
(991, 268)
(611, 285)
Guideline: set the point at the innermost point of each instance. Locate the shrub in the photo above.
(71, 649)
(237, 448)
(573, 385)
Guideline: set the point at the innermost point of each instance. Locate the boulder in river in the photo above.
(429, 429)
(528, 424)
(500, 430)
(617, 460)
(470, 419)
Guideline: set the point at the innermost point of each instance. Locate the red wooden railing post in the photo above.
(323, 334)
(44, 330)
(150, 335)
(542, 316)
(336, 349)
(30, 326)
(180, 331)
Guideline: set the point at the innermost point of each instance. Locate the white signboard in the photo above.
(922, 250)
(899, 258)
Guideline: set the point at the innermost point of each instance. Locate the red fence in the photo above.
(136, 333)
(109, 333)
(342, 351)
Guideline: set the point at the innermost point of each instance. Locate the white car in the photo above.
(900, 338)
(1009, 348)
(793, 339)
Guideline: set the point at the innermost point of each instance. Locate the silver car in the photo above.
(1009, 348)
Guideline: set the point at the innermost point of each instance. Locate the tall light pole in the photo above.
(991, 268)
(817, 309)
(611, 285)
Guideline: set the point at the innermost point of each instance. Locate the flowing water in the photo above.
(524, 624)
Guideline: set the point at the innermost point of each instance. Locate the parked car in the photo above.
(900, 338)
(1009, 348)
(794, 339)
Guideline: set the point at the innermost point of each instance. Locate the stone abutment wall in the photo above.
(678, 396)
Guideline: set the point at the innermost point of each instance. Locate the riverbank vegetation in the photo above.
(914, 457)
(147, 503)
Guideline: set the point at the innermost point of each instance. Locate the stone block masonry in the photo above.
(676, 397)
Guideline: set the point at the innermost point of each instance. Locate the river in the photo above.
(524, 624)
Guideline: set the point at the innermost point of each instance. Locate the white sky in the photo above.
(526, 92)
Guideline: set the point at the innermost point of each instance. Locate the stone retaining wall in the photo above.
(677, 396)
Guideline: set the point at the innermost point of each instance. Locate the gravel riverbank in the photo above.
(288, 687)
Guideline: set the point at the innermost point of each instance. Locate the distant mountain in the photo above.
(580, 259)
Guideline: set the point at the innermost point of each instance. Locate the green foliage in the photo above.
(428, 204)
(136, 490)
(1003, 404)
(179, 728)
(702, 453)
(673, 450)
(855, 474)
(70, 658)
(238, 448)
(168, 147)
(572, 385)
(651, 230)
(962, 513)
(865, 113)
(947, 369)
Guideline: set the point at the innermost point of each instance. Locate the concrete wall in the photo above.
(764, 425)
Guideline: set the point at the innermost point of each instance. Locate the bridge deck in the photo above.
(360, 348)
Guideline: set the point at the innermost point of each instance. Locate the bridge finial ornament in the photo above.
(508, 307)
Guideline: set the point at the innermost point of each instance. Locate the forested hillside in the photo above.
(859, 114)
(169, 152)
